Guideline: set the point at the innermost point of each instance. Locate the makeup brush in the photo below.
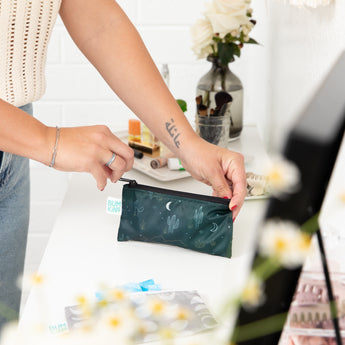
(201, 108)
(222, 99)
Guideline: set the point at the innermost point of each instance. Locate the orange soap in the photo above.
(134, 130)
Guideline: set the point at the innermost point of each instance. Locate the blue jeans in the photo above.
(14, 223)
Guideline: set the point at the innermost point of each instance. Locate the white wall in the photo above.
(76, 94)
(304, 45)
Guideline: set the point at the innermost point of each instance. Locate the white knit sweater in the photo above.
(25, 30)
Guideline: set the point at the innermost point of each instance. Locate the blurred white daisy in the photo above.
(282, 176)
(37, 283)
(284, 241)
(32, 279)
(157, 307)
(253, 295)
(85, 304)
(342, 197)
(115, 324)
(117, 295)
(108, 296)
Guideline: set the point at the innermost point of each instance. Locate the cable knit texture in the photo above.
(25, 30)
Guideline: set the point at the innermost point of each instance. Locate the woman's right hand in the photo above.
(88, 149)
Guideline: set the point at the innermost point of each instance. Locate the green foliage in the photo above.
(182, 104)
(227, 51)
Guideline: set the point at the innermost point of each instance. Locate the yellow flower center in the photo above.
(275, 176)
(118, 295)
(304, 242)
(157, 307)
(167, 333)
(114, 322)
(81, 299)
(251, 293)
(103, 303)
(142, 330)
(37, 279)
(86, 328)
(182, 314)
(342, 197)
(280, 245)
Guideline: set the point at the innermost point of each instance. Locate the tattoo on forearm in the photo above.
(173, 131)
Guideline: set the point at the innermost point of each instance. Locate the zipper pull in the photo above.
(131, 182)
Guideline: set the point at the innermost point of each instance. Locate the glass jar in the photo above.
(216, 83)
(214, 129)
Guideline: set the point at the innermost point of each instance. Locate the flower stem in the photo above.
(312, 224)
(264, 268)
(8, 313)
(259, 328)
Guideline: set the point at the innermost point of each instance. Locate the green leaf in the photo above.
(259, 328)
(237, 50)
(312, 224)
(228, 38)
(241, 36)
(251, 40)
(226, 52)
(216, 39)
(182, 104)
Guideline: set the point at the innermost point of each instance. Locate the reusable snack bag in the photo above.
(197, 222)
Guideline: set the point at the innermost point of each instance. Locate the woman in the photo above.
(108, 39)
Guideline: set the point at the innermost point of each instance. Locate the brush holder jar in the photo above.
(214, 129)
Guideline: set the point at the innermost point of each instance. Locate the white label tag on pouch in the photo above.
(114, 206)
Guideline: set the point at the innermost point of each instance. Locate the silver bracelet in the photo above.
(55, 147)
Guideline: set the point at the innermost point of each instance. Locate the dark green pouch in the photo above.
(193, 221)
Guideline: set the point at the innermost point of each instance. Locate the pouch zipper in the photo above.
(135, 184)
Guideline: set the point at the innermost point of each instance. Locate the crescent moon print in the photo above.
(167, 206)
(214, 227)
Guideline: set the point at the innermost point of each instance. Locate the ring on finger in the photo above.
(111, 160)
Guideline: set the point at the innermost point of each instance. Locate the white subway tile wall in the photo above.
(77, 95)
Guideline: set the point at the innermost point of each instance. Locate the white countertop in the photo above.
(83, 251)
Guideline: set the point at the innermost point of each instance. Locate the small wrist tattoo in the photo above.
(173, 131)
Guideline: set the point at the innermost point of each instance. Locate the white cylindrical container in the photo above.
(175, 164)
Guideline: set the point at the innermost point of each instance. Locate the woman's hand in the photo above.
(88, 149)
(220, 168)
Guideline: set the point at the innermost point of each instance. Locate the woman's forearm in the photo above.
(23, 135)
(85, 149)
(109, 40)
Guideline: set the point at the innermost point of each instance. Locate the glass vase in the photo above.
(212, 95)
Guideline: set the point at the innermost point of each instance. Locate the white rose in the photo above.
(201, 34)
(231, 6)
(225, 22)
(203, 52)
